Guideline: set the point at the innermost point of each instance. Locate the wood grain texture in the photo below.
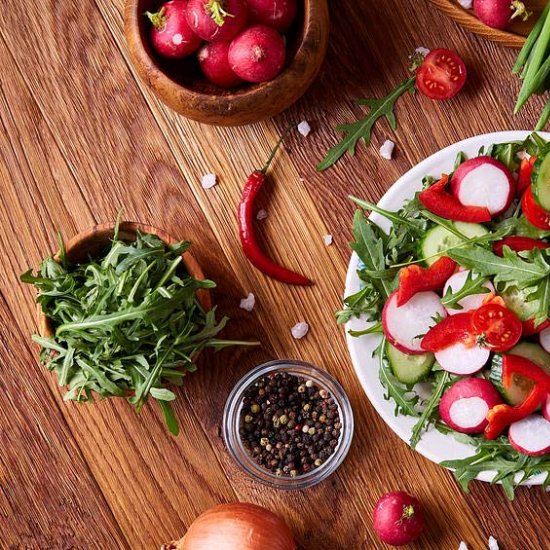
(80, 137)
(513, 36)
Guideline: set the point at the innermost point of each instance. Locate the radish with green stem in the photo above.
(171, 36)
(499, 13)
(217, 20)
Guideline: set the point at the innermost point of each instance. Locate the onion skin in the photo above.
(237, 526)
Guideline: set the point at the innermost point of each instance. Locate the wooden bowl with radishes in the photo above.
(227, 62)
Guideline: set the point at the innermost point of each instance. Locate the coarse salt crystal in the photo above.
(422, 50)
(261, 215)
(327, 240)
(466, 4)
(386, 151)
(248, 303)
(493, 544)
(462, 546)
(299, 330)
(208, 181)
(304, 128)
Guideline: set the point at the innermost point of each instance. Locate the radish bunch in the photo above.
(237, 41)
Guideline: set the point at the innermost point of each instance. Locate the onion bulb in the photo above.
(237, 526)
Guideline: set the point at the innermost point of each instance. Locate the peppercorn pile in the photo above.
(288, 424)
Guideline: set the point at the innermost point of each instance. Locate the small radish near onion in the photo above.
(464, 406)
(171, 36)
(499, 13)
(398, 518)
(486, 182)
(217, 20)
(530, 436)
(257, 54)
(214, 62)
(236, 526)
(277, 14)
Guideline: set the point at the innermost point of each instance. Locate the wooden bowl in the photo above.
(180, 85)
(96, 240)
(513, 37)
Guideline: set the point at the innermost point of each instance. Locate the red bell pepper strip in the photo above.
(529, 328)
(449, 331)
(514, 364)
(443, 204)
(250, 245)
(518, 244)
(537, 216)
(501, 416)
(413, 278)
(524, 174)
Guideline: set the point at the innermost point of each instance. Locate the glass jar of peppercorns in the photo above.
(288, 424)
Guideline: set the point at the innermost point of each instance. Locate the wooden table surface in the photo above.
(80, 138)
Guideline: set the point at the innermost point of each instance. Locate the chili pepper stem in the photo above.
(274, 150)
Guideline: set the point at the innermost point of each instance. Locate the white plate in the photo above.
(434, 445)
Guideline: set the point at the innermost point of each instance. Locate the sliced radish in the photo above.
(546, 408)
(456, 282)
(464, 406)
(530, 436)
(484, 181)
(462, 359)
(544, 338)
(404, 326)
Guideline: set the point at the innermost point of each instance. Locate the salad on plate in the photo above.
(457, 290)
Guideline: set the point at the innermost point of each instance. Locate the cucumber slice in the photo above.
(409, 369)
(521, 386)
(541, 179)
(438, 239)
(516, 300)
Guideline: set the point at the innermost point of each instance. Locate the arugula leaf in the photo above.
(472, 285)
(362, 128)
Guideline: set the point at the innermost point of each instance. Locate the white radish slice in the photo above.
(530, 436)
(546, 408)
(544, 338)
(461, 359)
(486, 182)
(405, 326)
(464, 406)
(456, 282)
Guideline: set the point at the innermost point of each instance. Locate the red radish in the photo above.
(546, 408)
(518, 244)
(277, 14)
(468, 303)
(530, 436)
(257, 54)
(215, 65)
(405, 325)
(529, 328)
(544, 338)
(484, 182)
(217, 20)
(464, 406)
(498, 13)
(171, 36)
(462, 359)
(398, 518)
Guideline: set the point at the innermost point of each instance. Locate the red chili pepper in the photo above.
(439, 202)
(250, 245)
(501, 416)
(413, 278)
(537, 216)
(518, 244)
(514, 364)
(524, 174)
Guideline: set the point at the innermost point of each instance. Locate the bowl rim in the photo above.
(102, 231)
(314, 37)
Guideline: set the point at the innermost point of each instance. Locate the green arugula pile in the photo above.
(126, 324)
(382, 255)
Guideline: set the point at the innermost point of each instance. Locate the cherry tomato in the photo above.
(441, 75)
(496, 327)
(535, 215)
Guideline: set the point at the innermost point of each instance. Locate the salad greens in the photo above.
(381, 254)
(127, 323)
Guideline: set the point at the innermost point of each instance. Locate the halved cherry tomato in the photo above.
(441, 75)
(524, 174)
(518, 244)
(449, 331)
(535, 215)
(496, 327)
